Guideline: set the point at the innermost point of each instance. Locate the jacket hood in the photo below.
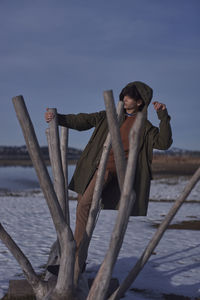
(144, 90)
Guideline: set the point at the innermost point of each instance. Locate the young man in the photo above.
(135, 95)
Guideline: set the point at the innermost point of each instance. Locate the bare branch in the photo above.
(117, 146)
(56, 162)
(64, 151)
(38, 162)
(65, 282)
(67, 243)
(66, 240)
(64, 147)
(103, 277)
(95, 206)
(20, 257)
(156, 238)
(100, 178)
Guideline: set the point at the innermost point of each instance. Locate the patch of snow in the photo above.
(174, 269)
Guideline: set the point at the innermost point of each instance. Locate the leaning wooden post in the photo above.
(101, 282)
(64, 151)
(156, 238)
(95, 206)
(65, 284)
(64, 148)
(100, 177)
(39, 286)
(37, 160)
(56, 163)
(117, 146)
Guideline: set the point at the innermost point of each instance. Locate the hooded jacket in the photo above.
(151, 138)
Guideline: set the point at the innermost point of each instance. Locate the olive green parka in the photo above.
(151, 138)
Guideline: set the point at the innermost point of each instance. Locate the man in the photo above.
(135, 95)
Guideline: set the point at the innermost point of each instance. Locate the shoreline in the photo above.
(26, 162)
(161, 165)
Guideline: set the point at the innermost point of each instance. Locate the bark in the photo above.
(64, 233)
(60, 181)
(100, 178)
(56, 163)
(119, 156)
(64, 150)
(156, 238)
(95, 206)
(19, 256)
(38, 163)
(100, 285)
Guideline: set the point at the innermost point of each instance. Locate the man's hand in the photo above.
(48, 116)
(159, 106)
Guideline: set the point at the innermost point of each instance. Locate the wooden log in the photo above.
(119, 155)
(95, 206)
(64, 159)
(20, 257)
(100, 177)
(100, 286)
(64, 148)
(64, 232)
(156, 238)
(38, 162)
(56, 163)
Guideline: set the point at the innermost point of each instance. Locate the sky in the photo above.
(64, 54)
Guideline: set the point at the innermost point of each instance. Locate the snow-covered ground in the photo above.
(174, 269)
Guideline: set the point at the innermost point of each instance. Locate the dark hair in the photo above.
(133, 93)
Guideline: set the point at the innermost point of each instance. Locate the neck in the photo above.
(131, 111)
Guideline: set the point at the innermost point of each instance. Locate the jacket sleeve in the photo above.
(162, 136)
(80, 121)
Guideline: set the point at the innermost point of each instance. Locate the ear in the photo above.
(139, 102)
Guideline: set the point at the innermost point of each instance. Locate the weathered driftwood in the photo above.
(64, 286)
(37, 285)
(58, 159)
(95, 206)
(56, 162)
(117, 145)
(156, 238)
(100, 285)
(64, 150)
(100, 178)
(63, 147)
(54, 255)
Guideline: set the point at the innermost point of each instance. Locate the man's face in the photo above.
(131, 104)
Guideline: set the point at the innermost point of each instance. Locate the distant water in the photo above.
(23, 178)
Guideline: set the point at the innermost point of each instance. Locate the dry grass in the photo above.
(175, 165)
(184, 225)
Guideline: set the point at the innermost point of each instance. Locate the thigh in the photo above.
(86, 198)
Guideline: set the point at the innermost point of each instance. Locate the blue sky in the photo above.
(64, 54)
